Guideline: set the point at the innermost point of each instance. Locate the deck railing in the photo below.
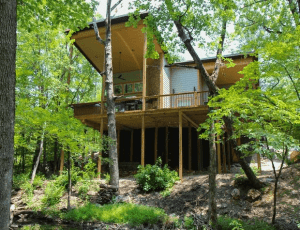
(188, 99)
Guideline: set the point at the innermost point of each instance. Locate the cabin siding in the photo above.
(183, 80)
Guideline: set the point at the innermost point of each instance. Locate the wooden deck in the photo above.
(160, 111)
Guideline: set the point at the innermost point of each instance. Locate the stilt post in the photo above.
(180, 145)
(228, 156)
(224, 155)
(62, 156)
(155, 143)
(143, 142)
(167, 145)
(190, 147)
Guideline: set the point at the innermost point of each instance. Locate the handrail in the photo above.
(176, 94)
(153, 102)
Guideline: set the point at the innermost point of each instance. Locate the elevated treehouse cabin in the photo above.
(162, 105)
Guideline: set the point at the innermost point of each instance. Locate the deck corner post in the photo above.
(180, 146)
(155, 143)
(143, 141)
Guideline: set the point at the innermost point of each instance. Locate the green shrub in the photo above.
(38, 180)
(63, 179)
(242, 176)
(107, 178)
(189, 223)
(19, 180)
(117, 213)
(89, 172)
(53, 193)
(28, 189)
(155, 177)
(228, 223)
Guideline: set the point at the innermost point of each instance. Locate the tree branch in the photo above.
(292, 80)
(114, 6)
(98, 38)
(218, 63)
(254, 3)
(187, 41)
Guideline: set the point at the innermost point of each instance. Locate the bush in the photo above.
(63, 179)
(155, 177)
(189, 223)
(89, 170)
(19, 180)
(242, 176)
(228, 223)
(38, 181)
(53, 193)
(117, 213)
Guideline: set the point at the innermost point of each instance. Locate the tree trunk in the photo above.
(248, 171)
(210, 81)
(276, 182)
(212, 214)
(55, 156)
(37, 160)
(8, 43)
(70, 181)
(114, 168)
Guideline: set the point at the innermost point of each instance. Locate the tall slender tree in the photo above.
(108, 72)
(8, 43)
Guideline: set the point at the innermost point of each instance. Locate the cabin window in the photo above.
(128, 88)
(138, 87)
(118, 89)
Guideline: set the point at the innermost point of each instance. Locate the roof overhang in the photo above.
(127, 45)
(227, 75)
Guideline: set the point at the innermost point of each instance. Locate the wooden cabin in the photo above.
(162, 104)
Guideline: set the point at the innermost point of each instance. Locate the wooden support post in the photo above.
(219, 155)
(160, 103)
(224, 156)
(118, 144)
(131, 146)
(180, 146)
(155, 143)
(100, 152)
(258, 162)
(228, 155)
(62, 156)
(143, 142)
(167, 145)
(144, 72)
(190, 147)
